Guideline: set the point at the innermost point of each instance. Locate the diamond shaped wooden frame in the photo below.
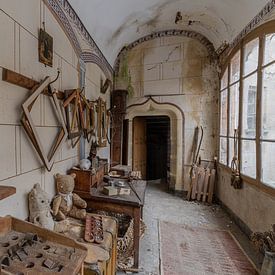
(29, 126)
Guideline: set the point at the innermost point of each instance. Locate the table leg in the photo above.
(137, 216)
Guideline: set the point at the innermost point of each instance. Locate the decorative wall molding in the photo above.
(85, 34)
(167, 33)
(255, 22)
(65, 24)
(71, 24)
(89, 57)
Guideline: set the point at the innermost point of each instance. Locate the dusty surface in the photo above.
(161, 206)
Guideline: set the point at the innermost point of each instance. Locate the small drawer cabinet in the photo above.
(85, 179)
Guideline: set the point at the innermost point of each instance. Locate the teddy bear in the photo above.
(40, 208)
(40, 212)
(66, 203)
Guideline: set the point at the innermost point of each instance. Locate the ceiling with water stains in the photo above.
(116, 23)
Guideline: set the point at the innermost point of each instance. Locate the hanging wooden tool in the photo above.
(236, 180)
(74, 115)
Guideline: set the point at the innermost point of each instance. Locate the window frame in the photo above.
(260, 33)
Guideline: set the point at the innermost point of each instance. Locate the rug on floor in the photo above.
(188, 250)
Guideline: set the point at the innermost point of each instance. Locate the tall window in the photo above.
(240, 92)
(223, 118)
(267, 132)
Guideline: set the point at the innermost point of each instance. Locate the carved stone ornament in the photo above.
(30, 128)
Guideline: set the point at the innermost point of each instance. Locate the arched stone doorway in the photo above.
(153, 108)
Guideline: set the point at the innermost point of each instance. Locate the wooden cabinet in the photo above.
(85, 179)
(118, 101)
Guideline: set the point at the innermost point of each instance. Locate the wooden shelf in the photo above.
(6, 191)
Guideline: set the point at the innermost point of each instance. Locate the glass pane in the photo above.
(249, 106)
(251, 54)
(224, 80)
(248, 156)
(235, 67)
(223, 150)
(269, 53)
(223, 117)
(268, 160)
(268, 99)
(234, 109)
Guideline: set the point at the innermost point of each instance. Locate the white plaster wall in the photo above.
(19, 164)
(254, 207)
(178, 70)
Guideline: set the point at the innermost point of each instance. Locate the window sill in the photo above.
(253, 182)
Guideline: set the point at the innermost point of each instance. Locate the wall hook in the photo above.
(58, 74)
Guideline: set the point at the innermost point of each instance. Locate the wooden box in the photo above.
(85, 179)
(121, 170)
(29, 249)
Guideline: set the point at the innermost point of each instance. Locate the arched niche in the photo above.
(153, 108)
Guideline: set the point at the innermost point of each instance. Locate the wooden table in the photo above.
(127, 204)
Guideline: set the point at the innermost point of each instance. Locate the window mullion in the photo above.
(228, 114)
(259, 111)
(241, 105)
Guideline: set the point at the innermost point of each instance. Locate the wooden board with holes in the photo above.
(45, 251)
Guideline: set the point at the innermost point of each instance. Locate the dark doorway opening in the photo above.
(158, 148)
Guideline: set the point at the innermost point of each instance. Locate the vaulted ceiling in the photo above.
(116, 23)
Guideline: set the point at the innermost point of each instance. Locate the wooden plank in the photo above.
(211, 185)
(6, 191)
(18, 79)
(193, 178)
(200, 182)
(195, 183)
(24, 82)
(206, 184)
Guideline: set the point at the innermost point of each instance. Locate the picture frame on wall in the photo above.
(45, 48)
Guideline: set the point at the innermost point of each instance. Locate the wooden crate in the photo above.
(30, 258)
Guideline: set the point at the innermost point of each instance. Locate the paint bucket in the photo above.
(268, 267)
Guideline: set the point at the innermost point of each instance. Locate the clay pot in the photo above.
(268, 267)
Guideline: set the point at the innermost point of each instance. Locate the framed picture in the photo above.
(45, 48)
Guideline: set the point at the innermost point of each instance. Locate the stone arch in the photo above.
(167, 33)
(153, 108)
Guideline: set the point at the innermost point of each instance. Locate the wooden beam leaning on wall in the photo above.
(25, 82)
